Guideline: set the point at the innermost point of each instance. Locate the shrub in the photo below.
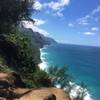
(59, 75)
(39, 79)
(42, 79)
(20, 54)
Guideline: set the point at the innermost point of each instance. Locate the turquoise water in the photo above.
(83, 61)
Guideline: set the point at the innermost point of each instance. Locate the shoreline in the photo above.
(75, 90)
(43, 65)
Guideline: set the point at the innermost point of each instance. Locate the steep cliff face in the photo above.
(39, 39)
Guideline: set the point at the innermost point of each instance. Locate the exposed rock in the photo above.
(45, 94)
(10, 89)
(50, 97)
(10, 80)
(1, 98)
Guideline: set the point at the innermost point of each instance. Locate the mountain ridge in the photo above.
(39, 39)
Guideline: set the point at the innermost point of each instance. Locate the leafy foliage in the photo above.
(40, 78)
(27, 55)
(5, 68)
(23, 57)
(20, 54)
(12, 12)
(59, 75)
(16, 49)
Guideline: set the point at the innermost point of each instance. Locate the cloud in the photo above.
(71, 25)
(37, 5)
(57, 6)
(89, 33)
(41, 31)
(39, 22)
(94, 28)
(59, 14)
(97, 10)
(85, 20)
(28, 24)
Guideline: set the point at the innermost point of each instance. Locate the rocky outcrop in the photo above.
(11, 89)
(44, 94)
(10, 80)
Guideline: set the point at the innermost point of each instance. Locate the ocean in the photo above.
(83, 62)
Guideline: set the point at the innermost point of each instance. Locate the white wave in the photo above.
(75, 91)
(43, 65)
(78, 91)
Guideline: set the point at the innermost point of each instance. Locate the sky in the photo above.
(69, 21)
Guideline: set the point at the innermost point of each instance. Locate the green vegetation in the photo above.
(59, 75)
(41, 79)
(5, 69)
(27, 55)
(23, 57)
(12, 12)
(18, 54)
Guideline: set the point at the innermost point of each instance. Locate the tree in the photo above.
(13, 11)
(25, 55)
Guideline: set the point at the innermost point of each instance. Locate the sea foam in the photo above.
(43, 65)
(75, 89)
(78, 91)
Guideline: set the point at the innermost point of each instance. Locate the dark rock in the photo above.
(4, 84)
(50, 97)
(10, 80)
